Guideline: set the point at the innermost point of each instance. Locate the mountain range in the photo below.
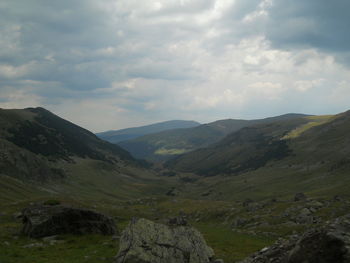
(115, 136)
(242, 183)
(169, 144)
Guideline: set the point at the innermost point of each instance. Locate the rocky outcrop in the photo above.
(45, 220)
(144, 241)
(328, 244)
(299, 197)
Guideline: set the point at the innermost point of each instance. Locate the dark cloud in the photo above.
(318, 24)
(147, 59)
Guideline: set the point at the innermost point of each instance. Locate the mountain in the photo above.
(43, 155)
(116, 136)
(33, 142)
(306, 141)
(169, 144)
(258, 184)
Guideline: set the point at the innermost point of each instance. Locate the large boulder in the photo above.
(144, 241)
(46, 220)
(328, 244)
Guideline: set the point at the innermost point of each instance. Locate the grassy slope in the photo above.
(168, 144)
(318, 164)
(33, 142)
(123, 192)
(246, 149)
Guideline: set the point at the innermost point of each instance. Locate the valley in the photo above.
(242, 184)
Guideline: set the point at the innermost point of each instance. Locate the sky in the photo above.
(112, 64)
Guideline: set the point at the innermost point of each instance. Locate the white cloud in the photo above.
(132, 62)
(305, 85)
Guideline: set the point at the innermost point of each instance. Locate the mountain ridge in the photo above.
(298, 140)
(115, 136)
(169, 144)
(34, 141)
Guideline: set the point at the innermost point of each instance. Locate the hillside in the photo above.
(34, 141)
(116, 136)
(312, 141)
(246, 203)
(169, 144)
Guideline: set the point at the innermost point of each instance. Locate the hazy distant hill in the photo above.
(116, 136)
(168, 144)
(307, 143)
(34, 140)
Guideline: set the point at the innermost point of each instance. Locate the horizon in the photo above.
(118, 64)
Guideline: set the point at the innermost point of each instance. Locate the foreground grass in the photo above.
(87, 248)
(230, 245)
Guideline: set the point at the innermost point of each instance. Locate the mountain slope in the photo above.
(33, 142)
(303, 142)
(116, 136)
(168, 144)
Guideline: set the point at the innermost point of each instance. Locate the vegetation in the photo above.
(246, 204)
(132, 133)
(169, 144)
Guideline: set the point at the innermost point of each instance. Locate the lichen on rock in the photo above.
(144, 241)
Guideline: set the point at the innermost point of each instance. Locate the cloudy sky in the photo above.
(112, 64)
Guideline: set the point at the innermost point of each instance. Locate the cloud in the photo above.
(113, 64)
(317, 24)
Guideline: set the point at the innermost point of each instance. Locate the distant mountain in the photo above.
(169, 144)
(307, 143)
(116, 136)
(33, 141)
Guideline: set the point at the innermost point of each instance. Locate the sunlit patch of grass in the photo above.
(314, 121)
(164, 151)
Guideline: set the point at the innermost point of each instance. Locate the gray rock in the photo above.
(299, 197)
(305, 217)
(178, 221)
(49, 238)
(144, 241)
(34, 245)
(315, 204)
(6, 243)
(328, 244)
(247, 201)
(239, 221)
(43, 221)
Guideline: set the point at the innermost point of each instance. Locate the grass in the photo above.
(212, 218)
(74, 249)
(314, 121)
(229, 245)
(164, 151)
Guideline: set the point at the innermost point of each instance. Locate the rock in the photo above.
(239, 221)
(34, 245)
(252, 207)
(115, 237)
(148, 242)
(328, 244)
(247, 201)
(49, 238)
(177, 221)
(337, 198)
(316, 204)
(17, 216)
(305, 217)
(299, 197)
(44, 221)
